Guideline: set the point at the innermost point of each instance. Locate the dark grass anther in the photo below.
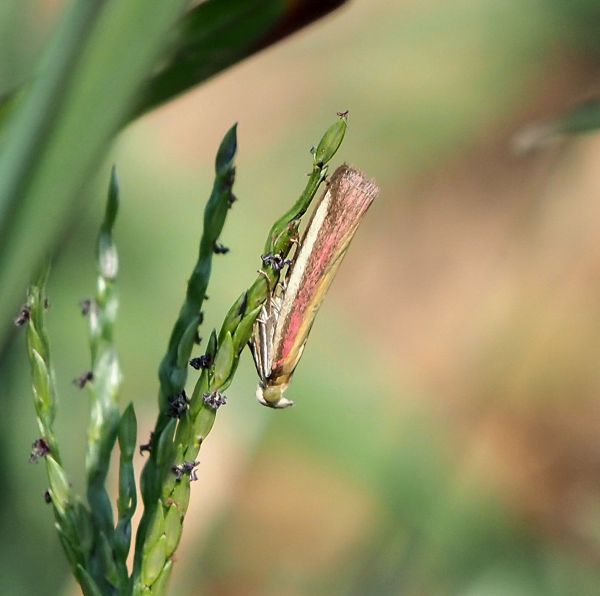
(85, 306)
(23, 316)
(39, 449)
(178, 404)
(276, 262)
(230, 177)
(186, 468)
(82, 380)
(46, 303)
(214, 399)
(204, 361)
(47, 497)
(219, 249)
(147, 446)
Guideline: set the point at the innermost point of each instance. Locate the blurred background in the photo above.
(445, 434)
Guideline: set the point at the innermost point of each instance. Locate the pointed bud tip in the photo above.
(112, 202)
(331, 140)
(227, 150)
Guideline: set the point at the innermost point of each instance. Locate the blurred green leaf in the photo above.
(88, 585)
(583, 119)
(219, 33)
(101, 53)
(99, 72)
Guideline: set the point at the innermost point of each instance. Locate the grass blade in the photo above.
(219, 33)
(114, 49)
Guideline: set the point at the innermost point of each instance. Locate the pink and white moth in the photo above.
(281, 330)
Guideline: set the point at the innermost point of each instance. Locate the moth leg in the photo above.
(269, 287)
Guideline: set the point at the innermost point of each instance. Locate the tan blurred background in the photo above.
(445, 438)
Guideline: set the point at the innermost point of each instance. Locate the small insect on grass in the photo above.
(282, 328)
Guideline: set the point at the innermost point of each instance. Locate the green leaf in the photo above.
(34, 341)
(157, 528)
(582, 119)
(244, 329)
(186, 344)
(70, 552)
(160, 585)
(112, 204)
(224, 161)
(84, 527)
(204, 421)
(173, 527)
(154, 561)
(126, 501)
(91, 77)
(166, 448)
(181, 495)
(108, 561)
(108, 260)
(41, 385)
(219, 33)
(196, 402)
(211, 345)
(233, 317)
(59, 484)
(223, 361)
(87, 583)
(128, 432)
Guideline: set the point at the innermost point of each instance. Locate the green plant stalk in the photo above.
(107, 566)
(323, 154)
(104, 386)
(174, 366)
(73, 519)
(179, 441)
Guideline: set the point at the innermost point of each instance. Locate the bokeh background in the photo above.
(445, 438)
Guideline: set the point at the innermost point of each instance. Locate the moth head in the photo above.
(272, 396)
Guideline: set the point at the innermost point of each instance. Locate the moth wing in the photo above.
(263, 335)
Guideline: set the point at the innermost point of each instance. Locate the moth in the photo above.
(282, 328)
